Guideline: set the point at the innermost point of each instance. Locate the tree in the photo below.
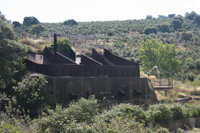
(197, 19)
(149, 17)
(70, 22)
(30, 21)
(197, 64)
(186, 36)
(171, 15)
(11, 53)
(164, 27)
(37, 29)
(64, 45)
(154, 53)
(33, 92)
(148, 31)
(16, 24)
(190, 15)
(161, 16)
(176, 23)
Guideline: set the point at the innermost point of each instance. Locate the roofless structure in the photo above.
(106, 76)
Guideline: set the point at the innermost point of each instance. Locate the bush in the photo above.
(68, 119)
(64, 45)
(179, 111)
(190, 63)
(198, 64)
(132, 111)
(194, 113)
(160, 114)
(12, 119)
(116, 123)
(8, 128)
(33, 93)
(56, 120)
(83, 110)
(162, 130)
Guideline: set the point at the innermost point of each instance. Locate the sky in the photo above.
(53, 11)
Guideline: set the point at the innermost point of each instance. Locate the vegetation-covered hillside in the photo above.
(124, 37)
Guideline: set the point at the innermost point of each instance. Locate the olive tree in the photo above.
(37, 29)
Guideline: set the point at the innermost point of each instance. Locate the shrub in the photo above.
(33, 93)
(116, 123)
(12, 118)
(193, 109)
(56, 120)
(162, 130)
(68, 119)
(133, 111)
(83, 110)
(179, 130)
(194, 113)
(160, 114)
(64, 45)
(198, 64)
(8, 128)
(190, 63)
(179, 111)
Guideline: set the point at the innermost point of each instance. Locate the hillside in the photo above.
(124, 37)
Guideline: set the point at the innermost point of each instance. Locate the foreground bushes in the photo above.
(85, 116)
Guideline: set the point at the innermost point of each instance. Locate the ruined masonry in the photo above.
(106, 76)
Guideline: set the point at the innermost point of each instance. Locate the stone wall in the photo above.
(135, 90)
(182, 123)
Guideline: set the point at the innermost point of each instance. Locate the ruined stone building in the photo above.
(106, 76)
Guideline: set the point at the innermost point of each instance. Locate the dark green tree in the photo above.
(148, 31)
(190, 63)
(171, 15)
(33, 92)
(149, 17)
(16, 24)
(37, 29)
(11, 53)
(161, 16)
(154, 53)
(64, 45)
(197, 19)
(30, 21)
(186, 36)
(197, 64)
(70, 22)
(176, 23)
(164, 27)
(190, 15)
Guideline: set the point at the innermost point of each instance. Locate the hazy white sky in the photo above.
(94, 10)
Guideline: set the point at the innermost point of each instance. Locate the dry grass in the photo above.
(181, 90)
(35, 45)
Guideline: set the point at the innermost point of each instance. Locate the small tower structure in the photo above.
(160, 79)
